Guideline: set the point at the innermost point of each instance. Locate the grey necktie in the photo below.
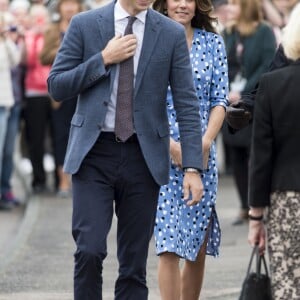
(124, 118)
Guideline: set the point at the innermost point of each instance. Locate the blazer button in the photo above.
(105, 103)
(99, 126)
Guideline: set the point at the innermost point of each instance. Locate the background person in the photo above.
(220, 13)
(250, 45)
(61, 112)
(13, 121)
(275, 167)
(9, 58)
(241, 112)
(37, 109)
(285, 7)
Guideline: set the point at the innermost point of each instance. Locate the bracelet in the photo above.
(191, 170)
(258, 218)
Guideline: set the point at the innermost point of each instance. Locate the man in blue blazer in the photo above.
(106, 172)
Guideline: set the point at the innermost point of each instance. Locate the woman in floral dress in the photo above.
(181, 230)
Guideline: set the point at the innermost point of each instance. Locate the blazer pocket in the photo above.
(77, 120)
(163, 131)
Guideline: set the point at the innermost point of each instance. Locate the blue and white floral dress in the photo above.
(179, 228)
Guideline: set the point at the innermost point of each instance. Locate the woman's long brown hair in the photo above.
(202, 18)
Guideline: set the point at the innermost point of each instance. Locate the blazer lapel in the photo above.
(107, 31)
(150, 36)
(106, 23)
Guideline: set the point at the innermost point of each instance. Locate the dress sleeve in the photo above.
(219, 82)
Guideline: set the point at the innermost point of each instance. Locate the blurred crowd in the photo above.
(30, 35)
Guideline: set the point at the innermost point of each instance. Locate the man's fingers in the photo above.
(192, 202)
(116, 37)
(192, 188)
(186, 192)
(128, 37)
(196, 196)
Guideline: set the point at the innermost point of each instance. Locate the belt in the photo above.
(112, 137)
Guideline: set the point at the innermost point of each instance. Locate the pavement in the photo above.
(36, 260)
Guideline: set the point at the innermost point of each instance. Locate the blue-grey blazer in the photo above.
(78, 70)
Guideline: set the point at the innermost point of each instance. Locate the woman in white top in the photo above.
(9, 57)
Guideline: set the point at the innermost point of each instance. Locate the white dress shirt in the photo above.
(138, 29)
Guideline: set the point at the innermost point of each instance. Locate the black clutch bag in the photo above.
(257, 285)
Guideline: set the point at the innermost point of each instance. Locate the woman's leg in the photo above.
(8, 148)
(36, 113)
(240, 163)
(192, 276)
(169, 276)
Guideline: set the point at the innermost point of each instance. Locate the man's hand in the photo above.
(237, 115)
(192, 184)
(119, 49)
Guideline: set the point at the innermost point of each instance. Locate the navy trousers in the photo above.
(113, 173)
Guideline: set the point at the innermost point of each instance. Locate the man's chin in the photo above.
(142, 5)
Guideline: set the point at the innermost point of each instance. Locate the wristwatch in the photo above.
(191, 170)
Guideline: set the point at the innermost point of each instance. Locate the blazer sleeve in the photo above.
(260, 171)
(71, 74)
(186, 104)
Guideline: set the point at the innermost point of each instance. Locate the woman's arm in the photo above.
(257, 231)
(272, 14)
(215, 122)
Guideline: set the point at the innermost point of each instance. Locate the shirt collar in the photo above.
(121, 13)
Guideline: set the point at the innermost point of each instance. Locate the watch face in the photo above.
(191, 170)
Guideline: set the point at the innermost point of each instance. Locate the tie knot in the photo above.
(130, 21)
(128, 29)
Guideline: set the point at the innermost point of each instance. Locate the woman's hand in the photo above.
(206, 144)
(257, 235)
